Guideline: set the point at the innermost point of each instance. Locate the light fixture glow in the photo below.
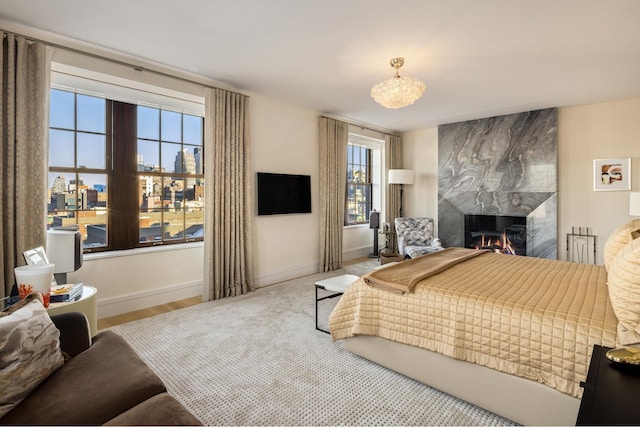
(398, 91)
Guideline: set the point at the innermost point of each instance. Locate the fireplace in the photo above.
(502, 234)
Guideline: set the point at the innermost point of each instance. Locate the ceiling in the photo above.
(478, 58)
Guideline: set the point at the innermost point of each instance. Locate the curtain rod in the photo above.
(384, 132)
(106, 58)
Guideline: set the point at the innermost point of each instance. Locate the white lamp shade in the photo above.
(634, 204)
(400, 176)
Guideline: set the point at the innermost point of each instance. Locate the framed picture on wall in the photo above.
(612, 174)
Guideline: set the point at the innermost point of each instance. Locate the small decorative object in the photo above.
(35, 278)
(612, 174)
(626, 355)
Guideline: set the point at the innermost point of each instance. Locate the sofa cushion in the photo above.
(158, 410)
(91, 388)
(29, 352)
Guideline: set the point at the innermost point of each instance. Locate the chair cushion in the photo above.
(416, 251)
(91, 388)
(29, 352)
(413, 232)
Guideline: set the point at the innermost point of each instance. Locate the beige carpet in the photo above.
(257, 360)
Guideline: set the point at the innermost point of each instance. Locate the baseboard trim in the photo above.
(114, 306)
(282, 276)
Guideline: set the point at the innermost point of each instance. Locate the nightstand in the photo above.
(86, 304)
(610, 392)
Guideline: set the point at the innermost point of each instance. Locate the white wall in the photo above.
(284, 139)
(585, 133)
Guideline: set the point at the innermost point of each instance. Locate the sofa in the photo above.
(98, 381)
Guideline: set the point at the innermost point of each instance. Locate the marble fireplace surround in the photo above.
(504, 165)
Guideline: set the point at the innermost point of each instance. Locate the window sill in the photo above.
(356, 226)
(140, 251)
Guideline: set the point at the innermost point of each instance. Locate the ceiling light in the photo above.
(399, 91)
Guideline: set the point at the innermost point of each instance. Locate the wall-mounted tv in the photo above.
(283, 194)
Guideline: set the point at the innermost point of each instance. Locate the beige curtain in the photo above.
(333, 137)
(393, 151)
(228, 269)
(24, 126)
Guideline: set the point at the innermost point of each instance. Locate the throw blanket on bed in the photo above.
(404, 276)
(531, 317)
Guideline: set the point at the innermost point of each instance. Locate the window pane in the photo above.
(172, 158)
(148, 155)
(148, 123)
(189, 159)
(150, 225)
(93, 227)
(194, 223)
(61, 148)
(95, 187)
(91, 151)
(173, 224)
(61, 109)
(171, 126)
(192, 129)
(356, 156)
(91, 114)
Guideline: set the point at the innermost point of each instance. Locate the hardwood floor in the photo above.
(109, 322)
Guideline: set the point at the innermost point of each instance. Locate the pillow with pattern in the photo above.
(29, 352)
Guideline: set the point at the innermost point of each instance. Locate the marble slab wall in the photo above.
(505, 165)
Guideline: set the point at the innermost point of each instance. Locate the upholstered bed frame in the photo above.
(523, 401)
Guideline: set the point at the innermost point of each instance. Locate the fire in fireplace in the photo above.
(502, 234)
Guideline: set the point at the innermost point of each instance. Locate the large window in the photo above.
(127, 175)
(359, 185)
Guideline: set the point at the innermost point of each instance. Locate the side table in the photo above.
(337, 285)
(86, 304)
(610, 392)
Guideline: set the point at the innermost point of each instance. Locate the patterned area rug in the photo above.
(257, 359)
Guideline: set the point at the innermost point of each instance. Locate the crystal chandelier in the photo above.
(399, 91)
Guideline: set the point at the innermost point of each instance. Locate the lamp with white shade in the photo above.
(401, 177)
(634, 204)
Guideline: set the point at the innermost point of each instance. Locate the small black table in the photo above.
(611, 392)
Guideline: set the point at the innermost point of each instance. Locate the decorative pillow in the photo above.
(617, 240)
(29, 352)
(624, 292)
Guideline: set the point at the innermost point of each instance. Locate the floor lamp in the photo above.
(400, 176)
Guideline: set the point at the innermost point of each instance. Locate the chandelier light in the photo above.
(398, 91)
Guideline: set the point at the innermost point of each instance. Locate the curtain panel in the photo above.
(333, 138)
(228, 247)
(393, 151)
(24, 128)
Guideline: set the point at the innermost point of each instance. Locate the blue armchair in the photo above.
(415, 236)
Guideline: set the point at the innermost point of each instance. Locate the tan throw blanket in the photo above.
(402, 277)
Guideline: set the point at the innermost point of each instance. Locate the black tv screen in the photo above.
(283, 194)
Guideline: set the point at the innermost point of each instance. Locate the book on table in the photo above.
(66, 293)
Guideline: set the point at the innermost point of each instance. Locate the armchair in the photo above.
(415, 236)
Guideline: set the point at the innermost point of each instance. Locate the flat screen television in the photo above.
(283, 194)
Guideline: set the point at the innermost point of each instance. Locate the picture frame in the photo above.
(612, 174)
(35, 256)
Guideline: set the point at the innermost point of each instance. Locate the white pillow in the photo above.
(29, 353)
(624, 292)
(620, 237)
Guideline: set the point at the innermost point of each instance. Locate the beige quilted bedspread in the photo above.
(530, 317)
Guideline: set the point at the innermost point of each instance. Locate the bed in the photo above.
(511, 334)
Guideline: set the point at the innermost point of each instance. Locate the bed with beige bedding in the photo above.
(523, 321)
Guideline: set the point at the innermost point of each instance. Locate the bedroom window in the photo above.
(359, 185)
(128, 175)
